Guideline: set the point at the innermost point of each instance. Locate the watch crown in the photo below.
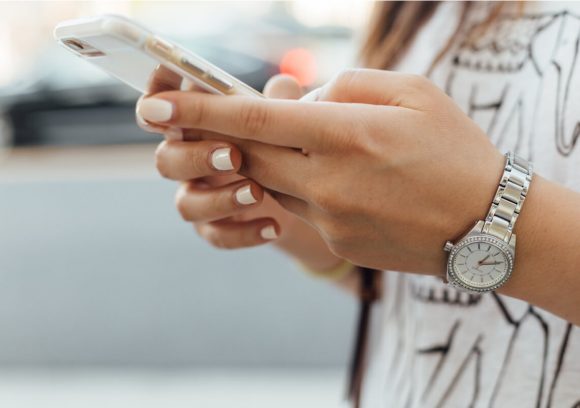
(448, 246)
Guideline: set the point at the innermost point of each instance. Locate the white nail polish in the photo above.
(312, 96)
(141, 122)
(221, 159)
(269, 232)
(155, 110)
(174, 134)
(244, 196)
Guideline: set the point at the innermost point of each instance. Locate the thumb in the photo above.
(283, 87)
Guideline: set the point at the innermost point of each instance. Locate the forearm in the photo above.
(547, 266)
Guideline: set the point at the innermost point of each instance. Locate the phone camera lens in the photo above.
(75, 45)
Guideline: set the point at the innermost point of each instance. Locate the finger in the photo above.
(187, 160)
(376, 87)
(276, 168)
(283, 87)
(210, 204)
(143, 124)
(278, 87)
(312, 96)
(266, 164)
(202, 134)
(163, 79)
(170, 133)
(310, 125)
(239, 234)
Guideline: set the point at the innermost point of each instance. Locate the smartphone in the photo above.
(133, 54)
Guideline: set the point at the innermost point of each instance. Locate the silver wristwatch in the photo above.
(483, 259)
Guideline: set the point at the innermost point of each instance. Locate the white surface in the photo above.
(208, 389)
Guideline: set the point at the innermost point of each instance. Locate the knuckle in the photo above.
(240, 239)
(196, 162)
(349, 138)
(194, 113)
(342, 83)
(346, 77)
(182, 205)
(253, 117)
(217, 239)
(211, 235)
(418, 82)
(160, 160)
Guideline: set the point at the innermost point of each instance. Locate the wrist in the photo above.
(482, 260)
(547, 262)
(526, 231)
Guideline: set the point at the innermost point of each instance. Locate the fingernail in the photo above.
(141, 121)
(269, 232)
(155, 110)
(148, 127)
(312, 96)
(244, 195)
(221, 159)
(174, 134)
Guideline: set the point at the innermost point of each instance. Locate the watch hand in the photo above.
(481, 262)
(493, 263)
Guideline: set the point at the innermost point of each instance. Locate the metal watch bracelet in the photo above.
(467, 255)
(509, 198)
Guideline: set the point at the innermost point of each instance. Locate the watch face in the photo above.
(480, 263)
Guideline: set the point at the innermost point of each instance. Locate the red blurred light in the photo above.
(299, 63)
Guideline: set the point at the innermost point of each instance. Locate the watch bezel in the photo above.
(456, 281)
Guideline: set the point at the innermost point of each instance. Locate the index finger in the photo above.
(279, 122)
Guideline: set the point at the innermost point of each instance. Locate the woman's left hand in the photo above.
(383, 164)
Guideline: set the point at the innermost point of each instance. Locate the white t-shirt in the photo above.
(433, 346)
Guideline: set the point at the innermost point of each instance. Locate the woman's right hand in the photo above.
(228, 210)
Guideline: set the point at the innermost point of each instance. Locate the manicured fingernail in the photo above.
(174, 134)
(244, 196)
(155, 110)
(269, 232)
(141, 122)
(312, 96)
(146, 126)
(221, 159)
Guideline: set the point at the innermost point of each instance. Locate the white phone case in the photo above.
(131, 53)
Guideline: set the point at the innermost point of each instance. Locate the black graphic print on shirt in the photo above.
(520, 81)
(544, 50)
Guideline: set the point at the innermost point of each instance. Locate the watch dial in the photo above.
(480, 264)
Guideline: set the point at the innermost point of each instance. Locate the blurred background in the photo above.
(106, 297)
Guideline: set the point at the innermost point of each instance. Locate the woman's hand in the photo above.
(384, 165)
(228, 210)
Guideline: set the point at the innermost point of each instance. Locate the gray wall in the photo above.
(106, 273)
